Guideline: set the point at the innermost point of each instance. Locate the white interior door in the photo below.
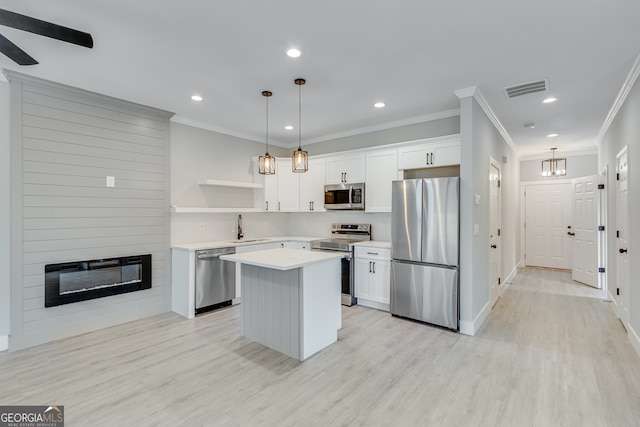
(622, 230)
(494, 231)
(584, 231)
(547, 220)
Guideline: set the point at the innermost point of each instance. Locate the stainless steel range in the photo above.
(343, 236)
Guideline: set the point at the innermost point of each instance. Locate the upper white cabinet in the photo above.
(312, 186)
(381, 170)
(429, 154)
(348, 167)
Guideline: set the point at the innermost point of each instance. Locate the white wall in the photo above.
(319, 224)
(577, 166)
(5, 223)
(480, 141)
(625, 131)
(198, 154)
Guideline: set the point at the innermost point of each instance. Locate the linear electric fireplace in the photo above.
(82, 280)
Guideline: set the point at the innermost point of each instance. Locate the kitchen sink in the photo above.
(246, 240)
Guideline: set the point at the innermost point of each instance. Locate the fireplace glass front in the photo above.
(83, 280)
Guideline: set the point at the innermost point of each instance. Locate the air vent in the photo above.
(525, 88)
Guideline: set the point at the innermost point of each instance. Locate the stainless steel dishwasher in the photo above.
(215, 279)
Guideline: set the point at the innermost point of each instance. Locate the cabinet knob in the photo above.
(571, 233)
(494, 246)
(622, 251)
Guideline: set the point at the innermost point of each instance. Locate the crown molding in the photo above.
(474, 92)
(622, 96)
(200, 125)
(383, 126)
(563, 153)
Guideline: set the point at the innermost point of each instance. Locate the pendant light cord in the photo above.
(299, 117)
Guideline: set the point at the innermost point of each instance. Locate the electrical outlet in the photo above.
(111, 181)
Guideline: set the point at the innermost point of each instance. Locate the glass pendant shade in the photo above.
(267, 163)
(299, 158)
(555, 166)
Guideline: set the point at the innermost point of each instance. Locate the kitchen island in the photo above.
(290, 299)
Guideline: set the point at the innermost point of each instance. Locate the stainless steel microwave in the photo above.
(344, 196)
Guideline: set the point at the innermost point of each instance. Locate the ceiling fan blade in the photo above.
(18, 55)
(43, 28)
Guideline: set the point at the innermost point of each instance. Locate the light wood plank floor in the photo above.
(551, 353)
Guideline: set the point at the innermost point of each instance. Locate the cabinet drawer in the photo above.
(383, 254)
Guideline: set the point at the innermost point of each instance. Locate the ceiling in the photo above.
(411, 54)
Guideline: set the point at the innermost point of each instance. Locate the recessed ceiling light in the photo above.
(529, 125)
(549, 100)
(288, 127)
(294, 53)
(552, 135)
(379, 104)
(196, 98)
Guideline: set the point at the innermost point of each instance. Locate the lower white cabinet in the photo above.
(296, 245)
(373, 276)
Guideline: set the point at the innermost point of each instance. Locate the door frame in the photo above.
(523, 207)
(625, 319)
(603, 236)
(494, 163)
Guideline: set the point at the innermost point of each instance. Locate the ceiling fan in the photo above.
(36, 26)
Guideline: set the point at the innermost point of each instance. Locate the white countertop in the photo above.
(245, 242)
(374, 244)
(283, 259)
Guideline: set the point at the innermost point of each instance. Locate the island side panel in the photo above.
(183, 279)
(271, 307)
(322, 309)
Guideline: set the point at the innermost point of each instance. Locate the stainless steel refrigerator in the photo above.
(425, 255)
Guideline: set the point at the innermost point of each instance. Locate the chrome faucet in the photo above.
(240, 234)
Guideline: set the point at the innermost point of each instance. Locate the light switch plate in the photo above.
(111, 181)
(476, 229)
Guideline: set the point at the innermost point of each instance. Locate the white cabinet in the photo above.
(381, 170)
(429, 154)
(373, 276)
(312, 187)
(288, 187)
(345, 168)
(296, 245)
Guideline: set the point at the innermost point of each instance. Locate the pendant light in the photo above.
(555, 166)
(299, 158)
(267, 163)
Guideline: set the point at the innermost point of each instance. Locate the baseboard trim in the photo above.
(509, 279)
(470, 328)
(4, 342)
(634, 339)
(373, 304)
(614, 304)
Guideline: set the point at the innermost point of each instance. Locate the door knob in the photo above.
(571, 233)
(493, 246)
(622, 251)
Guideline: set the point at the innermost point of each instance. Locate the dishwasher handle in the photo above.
(214, 253)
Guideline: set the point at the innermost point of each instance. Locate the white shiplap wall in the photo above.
(64, 144)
